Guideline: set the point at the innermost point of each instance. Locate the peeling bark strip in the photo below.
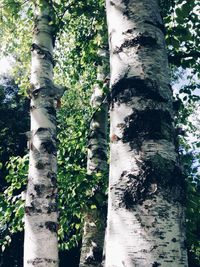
(139, 40)
(146, 187)
(95, 220)
(40, 245)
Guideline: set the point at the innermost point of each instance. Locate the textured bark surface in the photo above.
(93, 239)
(40, 245)
(95, 220)
(146, 189)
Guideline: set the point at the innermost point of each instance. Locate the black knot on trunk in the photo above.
(39, 188)
(148, 124)
(51, 226)
(94, 256)
(156, 264)
(52, 177)
(49, 147)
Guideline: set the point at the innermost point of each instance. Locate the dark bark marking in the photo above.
(41, 129)
(52, 118)
(139, 188)
(126, 12)
(140, 40)
(95, 255)
(161, 256)
(128, 87)
(41, 225)
(44, 16)
(121, 125)
(40, 260)
(35, 206)
(156, 264)
(174, 240)
(148, 124)
(162, 213)
(40, 165)
(32, 108)
(129, 31)
(49, 147)
(159, 233)
(98, 152)
(51, 110)
(52, 177)
(53, 207)
(28, 210)
(31, 209)
(155, 173)
(43, 53)
(51, 226)
(34, 93)
(39, 188)
(166, 172)
(48, 90)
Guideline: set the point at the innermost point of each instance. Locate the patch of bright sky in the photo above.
(185, 79)
(6, 65)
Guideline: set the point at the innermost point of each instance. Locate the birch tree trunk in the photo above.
(146, 189)
(95, 219)
(40, 245)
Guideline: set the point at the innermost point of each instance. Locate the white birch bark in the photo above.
(40, 244)
(145, 212)
(95, 220)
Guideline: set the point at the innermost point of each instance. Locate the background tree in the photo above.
(95, 215)
(41, 210)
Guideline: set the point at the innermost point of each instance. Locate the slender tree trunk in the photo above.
(95, 219)
(40, 245)
(145, 211)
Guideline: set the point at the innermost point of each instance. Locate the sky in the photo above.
(6, 64)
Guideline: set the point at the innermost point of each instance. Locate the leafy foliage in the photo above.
(13, 169)
(14, 122)
(187, 121)
(12, 204)
(182, 23)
